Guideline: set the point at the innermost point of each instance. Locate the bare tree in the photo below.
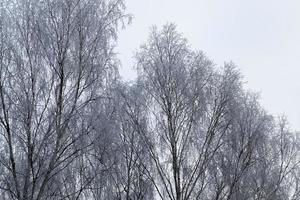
(57, 61)
(187, 112)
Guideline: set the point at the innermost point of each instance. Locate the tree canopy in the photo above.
(185, 129)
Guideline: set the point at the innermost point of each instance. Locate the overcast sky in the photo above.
(262, 37)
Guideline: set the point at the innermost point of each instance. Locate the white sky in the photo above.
(262, 37)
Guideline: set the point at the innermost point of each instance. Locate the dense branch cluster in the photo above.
(185, 129)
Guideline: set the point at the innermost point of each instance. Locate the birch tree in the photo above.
(187, 112)
(57, 60)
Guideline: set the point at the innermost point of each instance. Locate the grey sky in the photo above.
(262, 37)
